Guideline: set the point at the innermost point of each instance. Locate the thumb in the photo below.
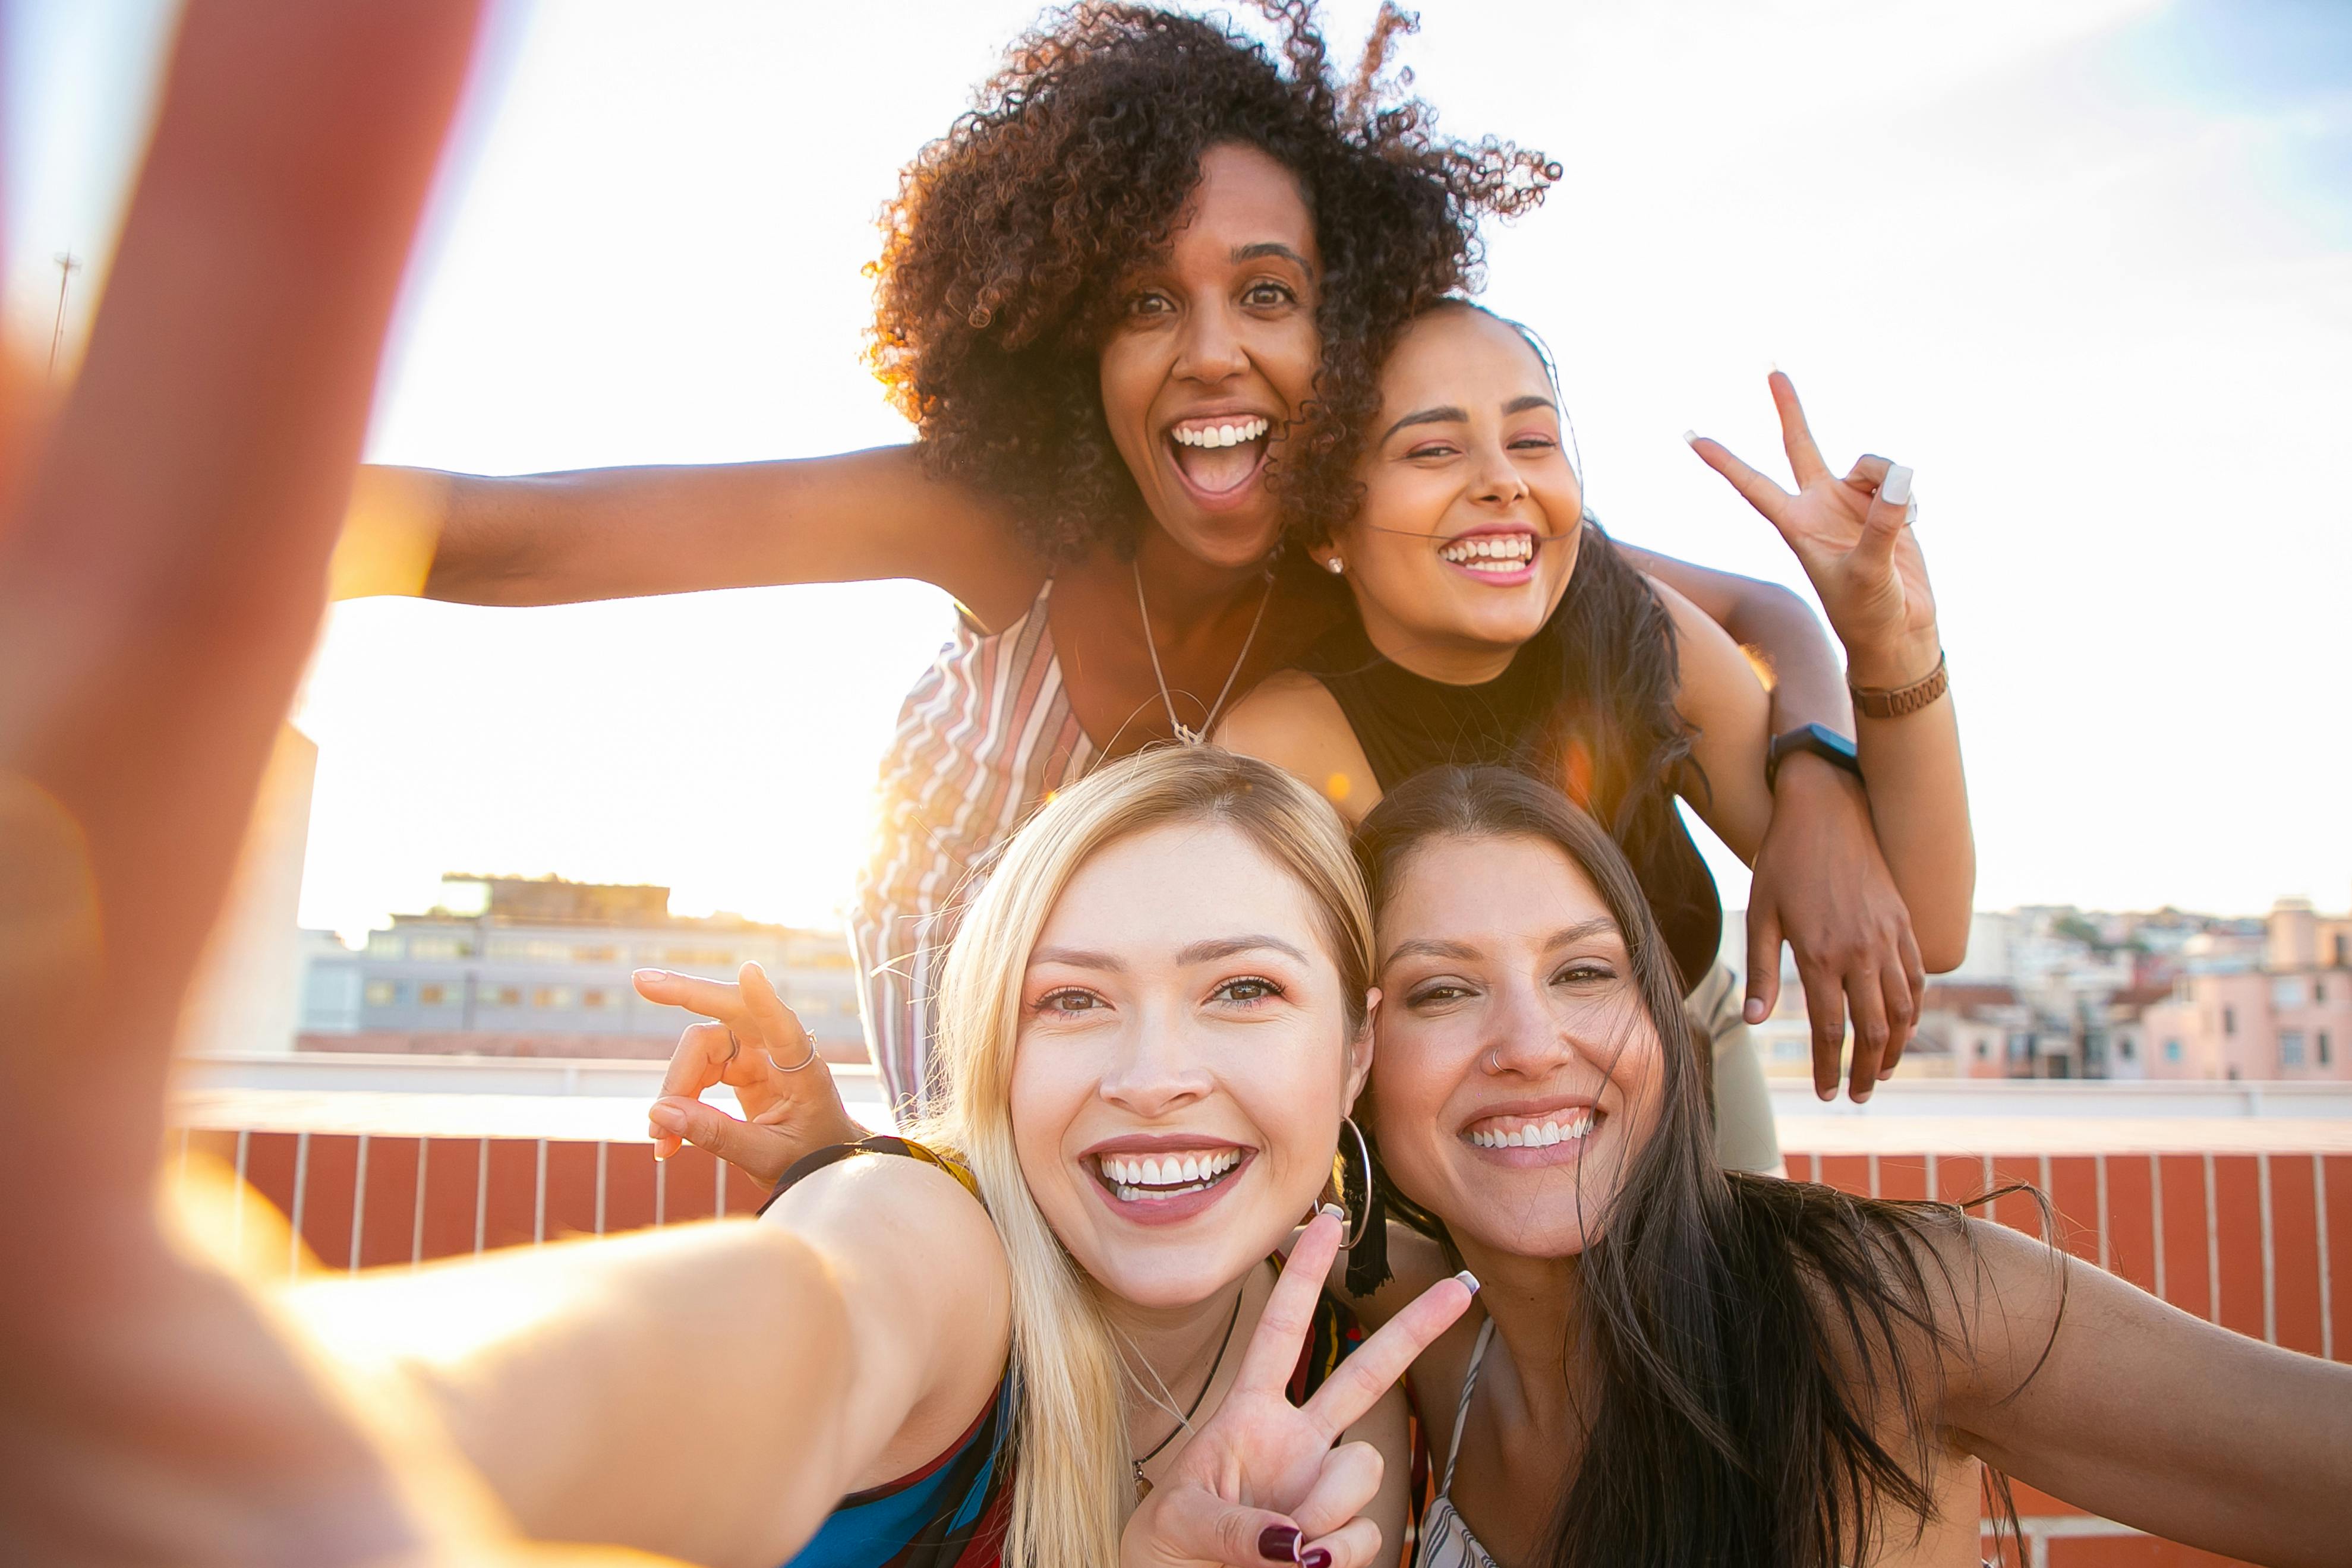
(757, 1152)
(1193, 1524)
(1763, 963)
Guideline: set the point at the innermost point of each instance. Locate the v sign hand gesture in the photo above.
(1261, 1481)
(1853, 538)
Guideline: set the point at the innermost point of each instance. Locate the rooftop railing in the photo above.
(2231, 1201)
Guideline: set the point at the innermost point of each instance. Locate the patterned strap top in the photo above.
(953, 1512)
(1445, 1541)
(984, 737)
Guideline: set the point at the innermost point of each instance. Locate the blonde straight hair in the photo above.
(1073, 1480)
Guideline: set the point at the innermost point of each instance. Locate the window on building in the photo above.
(2229, 1020)
(440, 995)
(551, 997)
(605, 954)
(382, 993)
(595, 997)
(2286, 991)
(697, 958)
(2290, 1048)
(2171, 1050)
(509, 996)
(1984, 1049)
(2125, 1047)
(439, 948)
(2318, 990)
(2322, 1047)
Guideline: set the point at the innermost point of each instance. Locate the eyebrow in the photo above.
(1435, 947)
(1226, 947)
(1449, 413)
(1275, 248)
(1203, 952)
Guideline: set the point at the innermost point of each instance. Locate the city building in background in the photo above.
(2056, 992)
(540, 966)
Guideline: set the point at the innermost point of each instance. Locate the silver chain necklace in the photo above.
(1183, 734)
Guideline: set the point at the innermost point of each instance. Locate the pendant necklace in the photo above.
(1189, 736)
(1184, 1421)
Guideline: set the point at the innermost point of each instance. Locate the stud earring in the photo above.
(1334, 566)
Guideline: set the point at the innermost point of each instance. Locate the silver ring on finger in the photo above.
(734, 1048)
(804, 1061)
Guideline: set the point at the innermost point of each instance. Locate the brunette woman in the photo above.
(1677, 1364)
(1125, 300)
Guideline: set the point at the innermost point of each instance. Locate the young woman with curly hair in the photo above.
(1131, 301)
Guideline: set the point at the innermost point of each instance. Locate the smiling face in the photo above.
(1517, 1071)
(1214, 353)
(1467, 535)
(1183, 1063)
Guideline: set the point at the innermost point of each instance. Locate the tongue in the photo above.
(1218, 468)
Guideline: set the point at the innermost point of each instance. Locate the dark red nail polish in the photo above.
(1279, 1544)
(1316, 1558)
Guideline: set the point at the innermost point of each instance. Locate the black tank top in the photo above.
(1407, 723)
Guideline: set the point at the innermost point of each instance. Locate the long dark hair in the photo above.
(1757, 1344)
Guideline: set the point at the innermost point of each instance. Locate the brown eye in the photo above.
(1246, 989)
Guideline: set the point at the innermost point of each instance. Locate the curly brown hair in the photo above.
(1008, 235)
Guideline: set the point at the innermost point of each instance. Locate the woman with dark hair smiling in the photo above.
(1674, 1364)
(1131, 302)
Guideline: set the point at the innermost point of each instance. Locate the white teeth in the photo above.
(1139, 1178)
(1505, 552)
(1542, 1135)
(1222, 434)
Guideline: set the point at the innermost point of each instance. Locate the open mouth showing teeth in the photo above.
(1525, 1134)
(1146, 1179)
(1491, 552)
(1218, 457)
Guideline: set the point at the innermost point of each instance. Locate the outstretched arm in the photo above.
(567, 1376)
(2098, 1393)
(616, 533)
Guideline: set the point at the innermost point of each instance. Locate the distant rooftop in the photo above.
(557, 901)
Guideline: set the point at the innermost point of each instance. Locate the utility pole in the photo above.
(67, 265)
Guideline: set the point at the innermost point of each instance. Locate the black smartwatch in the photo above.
(1818, 738)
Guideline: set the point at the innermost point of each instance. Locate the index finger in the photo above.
(1290, 1310)
(1796, 435)
(717, 1000)
(1373, 1368)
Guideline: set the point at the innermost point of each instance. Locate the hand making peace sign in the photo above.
(1261, 1481)
(1853, 538)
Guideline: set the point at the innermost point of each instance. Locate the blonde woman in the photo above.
(1154, 1021)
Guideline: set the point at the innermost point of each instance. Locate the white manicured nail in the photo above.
(1691, 436)
(1895, 488)
(1911, 512)
(1334, 1211)
(1469, 1281)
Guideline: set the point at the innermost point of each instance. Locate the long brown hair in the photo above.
(1756, 1343)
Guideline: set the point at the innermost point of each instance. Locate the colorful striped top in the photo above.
(984, 737)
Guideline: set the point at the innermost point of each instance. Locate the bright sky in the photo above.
(2086, 265)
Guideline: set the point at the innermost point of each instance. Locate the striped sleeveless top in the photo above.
(984, 737)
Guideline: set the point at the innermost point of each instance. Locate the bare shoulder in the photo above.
(1292, 720)
(894, 1218)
